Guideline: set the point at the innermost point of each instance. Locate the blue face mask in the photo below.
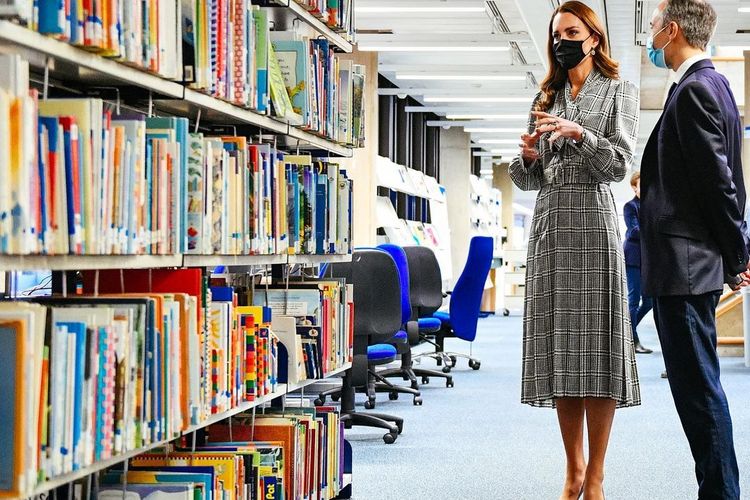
(657, 55)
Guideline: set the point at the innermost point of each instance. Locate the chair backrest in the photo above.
(399, 257)
(466, 297)
(425, 281)
(377, 293)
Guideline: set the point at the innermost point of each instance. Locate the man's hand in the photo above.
(741, 281)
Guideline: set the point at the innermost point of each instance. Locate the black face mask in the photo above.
(569, 53)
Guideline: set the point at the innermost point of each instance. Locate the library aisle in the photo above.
(478, 441)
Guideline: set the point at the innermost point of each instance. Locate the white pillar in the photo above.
(455, 168)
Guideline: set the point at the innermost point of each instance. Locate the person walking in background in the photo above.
(578, 352)
(692, 232)
(639, 304)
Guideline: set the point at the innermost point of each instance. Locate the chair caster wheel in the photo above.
(425, 380)
(506, 312)
(439, 361)
(319, 402)
(449, 383)
(393, 396)
(390, 438)
(369, 405)
(474, 365)
(417, 401)
(446, 369)
(335, 398)
(414, 385)
(400, 426)
(453, 361)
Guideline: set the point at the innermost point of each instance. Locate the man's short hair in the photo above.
(635, 178)
(696, 18)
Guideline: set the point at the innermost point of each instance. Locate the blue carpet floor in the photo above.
(476, 441)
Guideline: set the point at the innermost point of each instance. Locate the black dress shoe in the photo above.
(642, 350)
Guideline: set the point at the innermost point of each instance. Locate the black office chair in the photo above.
(426, 297)
(377, 317)
(401, 340)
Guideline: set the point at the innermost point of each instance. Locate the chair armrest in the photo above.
(412, 332)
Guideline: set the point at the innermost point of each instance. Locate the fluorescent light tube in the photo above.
(479, 99)
(486, 117)
(505, 151)
(427, 76)
(432, 48)
(498, 141)
(425, 10)
(744, 10)
(494, 130)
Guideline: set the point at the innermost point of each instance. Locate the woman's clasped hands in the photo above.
(547, 123)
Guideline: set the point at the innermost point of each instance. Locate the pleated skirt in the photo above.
(577, 339)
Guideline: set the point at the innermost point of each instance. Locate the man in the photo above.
(692, 232)
(638, 303)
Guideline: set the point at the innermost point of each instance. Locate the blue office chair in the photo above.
(465, 300)
(425, 297)
(409, 333)
(377, 316)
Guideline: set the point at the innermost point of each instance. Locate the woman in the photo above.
(578, 347)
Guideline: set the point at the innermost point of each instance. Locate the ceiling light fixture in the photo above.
(473, 78)
(744, 10)
(497, 141)
(495, 130)
(479, 99)
(432, 48)
(486, 117)
(509, 152)
(421, 10)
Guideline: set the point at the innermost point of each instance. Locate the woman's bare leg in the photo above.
(599, 415)
(570, 414)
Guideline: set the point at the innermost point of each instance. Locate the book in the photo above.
(14, 341)
(292, 57)
(282, 104)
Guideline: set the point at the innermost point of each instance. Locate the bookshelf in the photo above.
(284, 389)
(92, 262)
(290, 388)
(82, 473)
(62, 68)
(314, 260)
(291, 11)
(232, 260)
(76, 262)
(216, 110)
(399, 226)
(70, 64)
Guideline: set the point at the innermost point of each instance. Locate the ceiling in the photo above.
(478, 63)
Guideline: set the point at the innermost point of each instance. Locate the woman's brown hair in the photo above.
(556, 76)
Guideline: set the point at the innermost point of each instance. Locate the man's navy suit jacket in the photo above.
(692, 190)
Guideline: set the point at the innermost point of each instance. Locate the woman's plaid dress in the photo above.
(577, 336)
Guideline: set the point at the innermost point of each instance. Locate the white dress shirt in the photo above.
(685, 66)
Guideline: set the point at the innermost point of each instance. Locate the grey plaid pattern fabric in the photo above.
(577, 336)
